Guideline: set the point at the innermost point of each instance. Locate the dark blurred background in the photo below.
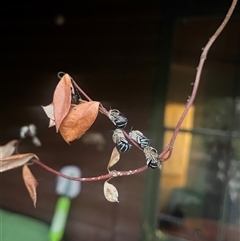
(139, 57)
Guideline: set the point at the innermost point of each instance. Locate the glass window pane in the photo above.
(200, 184)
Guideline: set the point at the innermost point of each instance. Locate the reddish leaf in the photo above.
(62, 100)
(8, 149)
(31, 183)
(115, 157)
(14, 161)
(79, 119)
(110, 192)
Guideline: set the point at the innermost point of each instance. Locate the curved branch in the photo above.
(199, 70)
(168, 149)
(111, 174)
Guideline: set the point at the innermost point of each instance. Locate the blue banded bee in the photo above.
(152, 158)
(75, 95)
(117, 118)
(121, 142)
(139, 138)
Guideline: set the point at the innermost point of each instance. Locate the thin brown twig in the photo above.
(169, 154)
(199, 72)
(111, 174)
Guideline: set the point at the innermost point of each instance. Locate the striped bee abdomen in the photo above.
(121, 142)
(123, 145)
(117, 118)
(139, 138)
(152, 158)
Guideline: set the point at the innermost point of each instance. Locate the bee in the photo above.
(75, 95)
(121, 142)
(152, 158)
(117, 118)
(139, 138)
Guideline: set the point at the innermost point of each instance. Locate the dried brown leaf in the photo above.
(79, 119)
(31, 183)
(49, 110)
(62, 100)
(110, 192)
(14, 161)
(8, 149)
(115, 157)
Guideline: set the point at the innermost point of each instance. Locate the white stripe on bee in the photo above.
(121, 142)
(139, 138)
(117, 118)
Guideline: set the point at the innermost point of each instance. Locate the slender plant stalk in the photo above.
(111, 174)
(168, 149)
(198, 75)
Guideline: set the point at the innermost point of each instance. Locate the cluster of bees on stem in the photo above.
(142, 141)
(119, 138)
